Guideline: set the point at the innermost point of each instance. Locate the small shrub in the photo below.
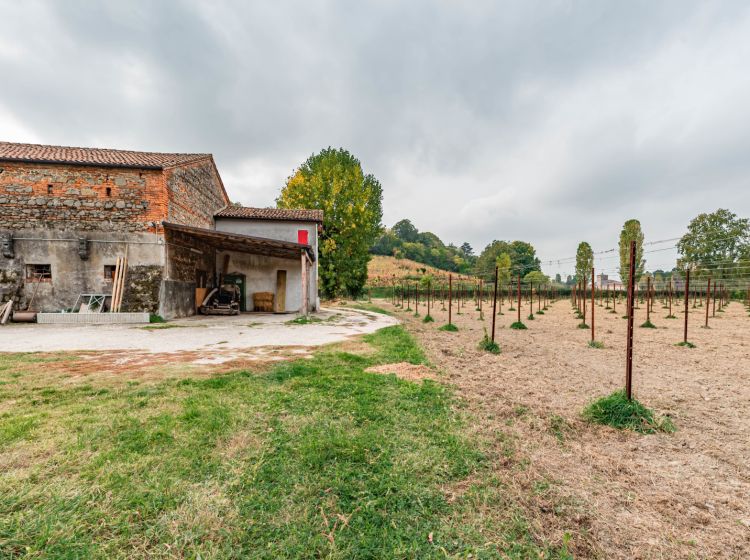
(518, 325)
(617, 411)
(530, 317)
(487, 345)
(687, 344)
(648, 325)
(583, 326)
(154, 318)
(428, 319)
(450, 327)
(596, 344)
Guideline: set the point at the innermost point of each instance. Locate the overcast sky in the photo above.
(551, 122)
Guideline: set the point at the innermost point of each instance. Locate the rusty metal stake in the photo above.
(593, 292)
(629, 348)
(494, 307)
(687, 301)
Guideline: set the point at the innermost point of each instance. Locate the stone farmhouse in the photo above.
(67, 214)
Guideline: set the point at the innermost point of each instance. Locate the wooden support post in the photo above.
(708, 296)
(305, 306)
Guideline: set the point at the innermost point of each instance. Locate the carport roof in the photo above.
(226, 241)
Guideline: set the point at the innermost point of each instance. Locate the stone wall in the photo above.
(84, 198)
(195, 194)
(142, 285)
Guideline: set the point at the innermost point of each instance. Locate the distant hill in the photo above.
(381, 266)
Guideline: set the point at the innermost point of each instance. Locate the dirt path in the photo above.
(620, 495)
(213, 337)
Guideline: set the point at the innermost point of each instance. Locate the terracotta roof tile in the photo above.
(271, 214)
(94, 156)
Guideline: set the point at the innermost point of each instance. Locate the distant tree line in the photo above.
(405, 241)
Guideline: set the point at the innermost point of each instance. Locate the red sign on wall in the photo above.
(302, 236)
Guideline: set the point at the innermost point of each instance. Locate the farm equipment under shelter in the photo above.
(224, 300)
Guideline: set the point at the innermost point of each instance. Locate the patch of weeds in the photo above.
(540, 312)
(648, 325)
(687, 344)
(511, 309)
(428, 319)
(518, 326)
(670, 317)
(450, 327)
(488, 345)
(372, 308)
(304, 320)
(161, 326)
(596, 344)
(530, 317)
(154, 318)
(583, 326)
(559, 427)
(617, 411)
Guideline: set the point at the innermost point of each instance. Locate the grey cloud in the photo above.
(547, 121)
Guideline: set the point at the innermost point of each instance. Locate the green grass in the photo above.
(370, 307)
(161, 326)
(314, 458)
(530, 317)
(596, 344)
(540, 312)
(428, 319)
(487, 345)
(648, 325)
(304, 320)
(154, 318)
(449, 327)
(670, 317)
(583, 326)
(617, 411)
(687, 344)
(518, 326)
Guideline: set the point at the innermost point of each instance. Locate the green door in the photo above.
(239, 280)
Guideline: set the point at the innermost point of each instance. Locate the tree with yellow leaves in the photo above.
(352, 205)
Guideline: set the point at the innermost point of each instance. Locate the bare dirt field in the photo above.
(617, 494)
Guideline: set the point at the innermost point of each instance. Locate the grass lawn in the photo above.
(312, 459)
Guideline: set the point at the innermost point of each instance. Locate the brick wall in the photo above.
(195, 194)
(76, 197)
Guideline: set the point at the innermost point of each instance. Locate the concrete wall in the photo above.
(72, 275)
(283, 231)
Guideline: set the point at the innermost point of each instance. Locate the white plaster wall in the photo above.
(266, 271)
(260, 276)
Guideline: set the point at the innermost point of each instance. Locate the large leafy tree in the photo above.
(584, 262)
(467, 249)
(352, 204)
(406, 231)
(714, 244)
(522, 256)
(504, 266)
(631, 231)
